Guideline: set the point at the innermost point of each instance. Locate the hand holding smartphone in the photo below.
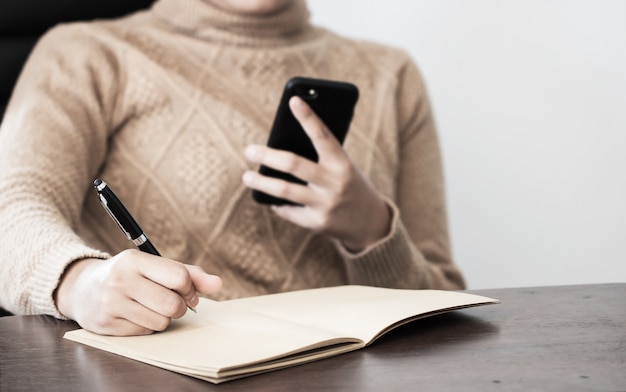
(332, 101)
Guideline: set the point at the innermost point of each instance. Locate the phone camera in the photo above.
(306, 93)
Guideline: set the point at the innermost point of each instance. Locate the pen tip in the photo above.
(97, 182)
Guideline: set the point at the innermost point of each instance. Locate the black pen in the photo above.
(124, 219)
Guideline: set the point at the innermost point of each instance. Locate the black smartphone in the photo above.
(332, 101)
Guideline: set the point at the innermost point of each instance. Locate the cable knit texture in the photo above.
(161, 104)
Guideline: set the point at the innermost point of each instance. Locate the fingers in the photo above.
(333, 166)
(183, 281)
(284, 161)
(304, 217)
(126, 318)
(122, 327)
(162, 274)
(297, 193)
(328, 148)
(158, 299)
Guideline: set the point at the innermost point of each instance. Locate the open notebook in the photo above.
(238, 338)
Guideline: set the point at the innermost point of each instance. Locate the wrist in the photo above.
(65, 296)
(377, 229)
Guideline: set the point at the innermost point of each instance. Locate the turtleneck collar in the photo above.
(202, 19)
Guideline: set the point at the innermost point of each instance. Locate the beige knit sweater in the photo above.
(160, 105)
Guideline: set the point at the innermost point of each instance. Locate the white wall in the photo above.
(530, 100)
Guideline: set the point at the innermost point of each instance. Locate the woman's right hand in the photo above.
(133, 293)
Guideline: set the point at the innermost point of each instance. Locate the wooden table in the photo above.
(564, 338)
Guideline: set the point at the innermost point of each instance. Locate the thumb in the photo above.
(203, 282)
(324, 141)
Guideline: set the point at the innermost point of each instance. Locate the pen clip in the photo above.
(105, 204)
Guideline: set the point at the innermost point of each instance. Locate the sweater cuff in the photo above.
(45, 280)
(387, 262)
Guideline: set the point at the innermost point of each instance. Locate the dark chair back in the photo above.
(22, 22)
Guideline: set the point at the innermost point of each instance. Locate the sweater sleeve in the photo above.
(416, 252)
(52, 142)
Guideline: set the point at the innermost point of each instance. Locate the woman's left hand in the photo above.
(337, 200)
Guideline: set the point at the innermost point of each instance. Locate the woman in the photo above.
(172, 107)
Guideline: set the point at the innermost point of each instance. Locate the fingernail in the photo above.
(247, 177)
(296, 103)
(252, 152)
(217, 282)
